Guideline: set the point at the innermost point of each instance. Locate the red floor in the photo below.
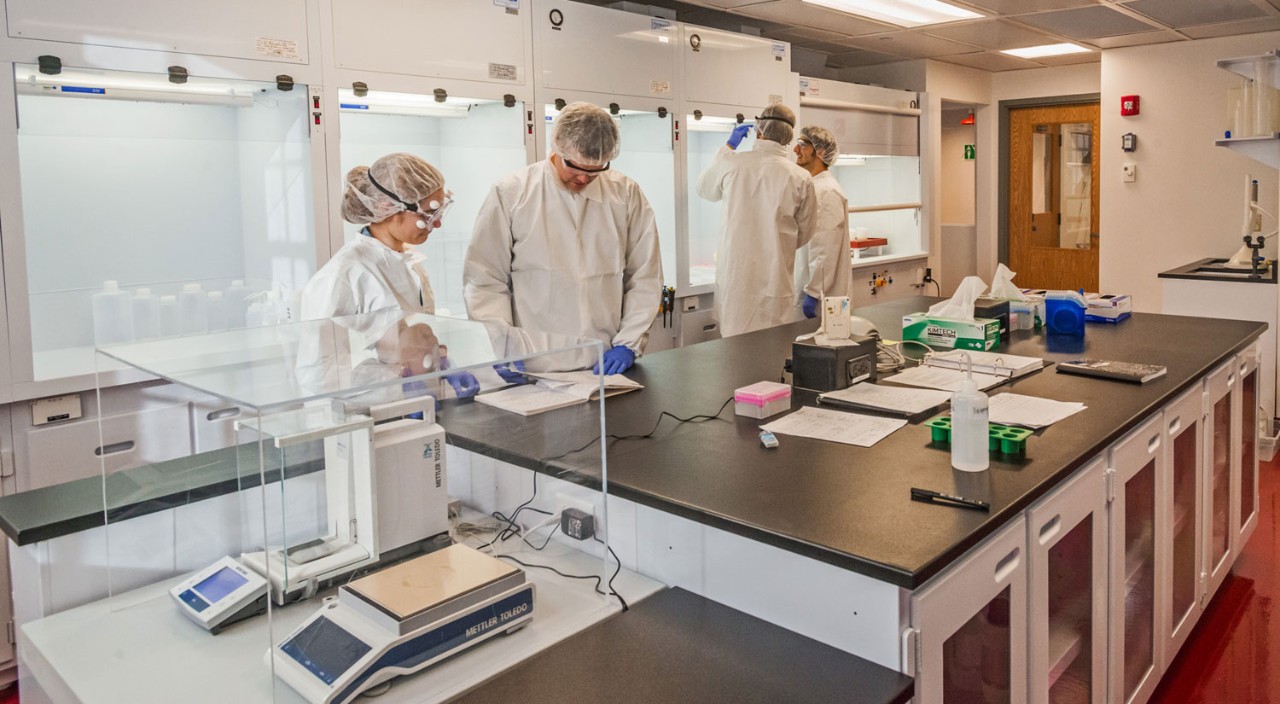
(1226, 659)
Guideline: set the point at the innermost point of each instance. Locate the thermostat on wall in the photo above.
(49, 410)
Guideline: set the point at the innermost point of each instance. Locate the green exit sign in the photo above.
(968, 151)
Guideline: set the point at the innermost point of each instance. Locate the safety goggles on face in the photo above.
(802, 142)
(596, 171)
(791, 123)
(435, 210)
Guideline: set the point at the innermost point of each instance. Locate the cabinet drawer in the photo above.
(67, 452)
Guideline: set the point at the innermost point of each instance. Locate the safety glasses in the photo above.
(593, 171)
(435, 210)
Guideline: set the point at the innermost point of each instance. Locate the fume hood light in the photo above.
(850, 160)
(968, 120)
(551, 111)
(417, 105)
(904, 13)
(1036, 52)
(103, 85)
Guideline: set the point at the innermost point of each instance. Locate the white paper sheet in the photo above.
(835, 426)
(528, 399)
(889, 398)
(941, 378)
(584, 384)
(1029, 411)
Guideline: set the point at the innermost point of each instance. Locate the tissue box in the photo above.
(762, 399)
(976, 334)
(1107, 307)
(996, 310)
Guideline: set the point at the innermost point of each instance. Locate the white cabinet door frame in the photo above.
(1183, 425)
(1221, 388)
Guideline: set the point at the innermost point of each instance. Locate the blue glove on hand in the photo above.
(512, 373)
(810, 306)
(739, 133)
(464, 384)
(617, 360)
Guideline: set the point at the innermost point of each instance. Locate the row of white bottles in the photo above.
(119, 316)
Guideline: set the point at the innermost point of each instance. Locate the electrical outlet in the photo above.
(564, 501)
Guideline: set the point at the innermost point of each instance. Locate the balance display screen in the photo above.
(325, 649)
(218, 585)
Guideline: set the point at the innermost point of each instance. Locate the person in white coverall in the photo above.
(569, 247)
(822, 266)
(769, 212)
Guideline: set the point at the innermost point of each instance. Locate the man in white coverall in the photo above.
(769, 212)
(569, 247)
(822, 266)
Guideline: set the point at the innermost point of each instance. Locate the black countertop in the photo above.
(679, 647)
(1203, 270)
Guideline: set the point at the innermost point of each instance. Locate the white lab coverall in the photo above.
(367, 275)
(549, 260)
(769, 212)
(822, 266)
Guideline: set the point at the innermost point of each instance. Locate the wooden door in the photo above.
(1053, 196)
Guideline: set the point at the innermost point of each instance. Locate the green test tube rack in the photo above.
(1005, 439)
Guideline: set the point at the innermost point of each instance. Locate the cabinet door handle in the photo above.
(1050, 529)
(1005, 567)
(1153, 444)
(1175, 425)
(114, 448)
(222, 413)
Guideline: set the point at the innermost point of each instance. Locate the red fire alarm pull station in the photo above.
(1128, 105)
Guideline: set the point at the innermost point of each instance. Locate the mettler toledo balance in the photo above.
(400, 620)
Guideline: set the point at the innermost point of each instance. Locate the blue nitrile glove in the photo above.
(810, 306)
(464, 384)
(739, 133)
(617, 360)
(512, 373)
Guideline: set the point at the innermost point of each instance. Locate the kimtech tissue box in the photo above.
(976, 334)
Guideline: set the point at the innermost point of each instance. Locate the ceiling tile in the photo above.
(1188, 13)
(1071, 59)
(802, 35)
(910, 45)
(1139, 39)
(1018, 7)
(723, 4)
(860, 58)
(795, 12)
(1233, 28)
(1087, 22)
(988, 61)
(992, 34)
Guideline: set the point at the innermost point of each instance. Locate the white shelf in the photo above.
(1244, 66)
(1262, 149)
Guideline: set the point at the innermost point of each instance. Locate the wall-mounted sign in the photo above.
(968, 152)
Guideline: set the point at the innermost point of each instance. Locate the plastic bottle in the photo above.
(112, 315)
(194, 307)
(170, 317)
(146, 315)
(274, 312)
(217, 311)
(237, 304)
(969, 431)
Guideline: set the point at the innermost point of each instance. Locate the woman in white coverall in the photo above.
(822, 266)
(568, 247)
(769, 212)
(399, 199)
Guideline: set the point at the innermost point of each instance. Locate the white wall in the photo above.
(1187, 201)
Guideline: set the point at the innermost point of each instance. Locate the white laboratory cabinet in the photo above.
(1138, 550)
(969, 625)
(1180, 505)
(1222, 459)
(1244, 479)
(1067, 563)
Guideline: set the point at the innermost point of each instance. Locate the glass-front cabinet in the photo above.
(155, 206)
(1137, 549)
(1245, 482)
(1222, 457)
(1067, 534)
(1181, 509)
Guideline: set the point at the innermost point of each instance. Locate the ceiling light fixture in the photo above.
(904, 13)
(1036, 52)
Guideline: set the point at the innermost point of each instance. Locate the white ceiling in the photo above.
(1008, 24)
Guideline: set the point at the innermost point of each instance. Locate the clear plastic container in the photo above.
(193, 305)
(217, 308)
(146, 315)
(170, 317)
(237, 301)
(112, 315)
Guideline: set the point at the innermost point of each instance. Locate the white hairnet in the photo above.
(585, 133)
(777, 123)
(407, 177)
(824, 143)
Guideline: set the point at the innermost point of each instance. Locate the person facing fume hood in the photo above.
(568, 246)
(399, 199)
(769, 212)
(822, 266)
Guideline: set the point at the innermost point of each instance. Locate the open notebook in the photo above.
(554, 390)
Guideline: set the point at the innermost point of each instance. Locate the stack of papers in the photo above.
(556, 390)
(835, 426)
(891, 399)
(942, 378)
(1029, 411)
(1007, 365)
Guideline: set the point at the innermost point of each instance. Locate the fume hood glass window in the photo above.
(706, 134)
(157, 209)
(884, 200)
(473, 142)
(646, 156)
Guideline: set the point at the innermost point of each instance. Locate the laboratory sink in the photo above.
(1219, 270)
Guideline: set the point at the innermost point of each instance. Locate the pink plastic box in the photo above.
(762, 399)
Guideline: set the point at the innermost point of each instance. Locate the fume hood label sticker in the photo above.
(660, 25)
(814, 88)
(659, 87)
(511, 6)
(503, 72)
(779, 51)
(277, 48)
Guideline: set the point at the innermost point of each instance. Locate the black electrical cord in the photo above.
(691, 419)
(939, 286)
(598, 581)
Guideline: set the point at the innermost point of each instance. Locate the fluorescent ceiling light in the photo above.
(1035, 52)
(904, 13)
